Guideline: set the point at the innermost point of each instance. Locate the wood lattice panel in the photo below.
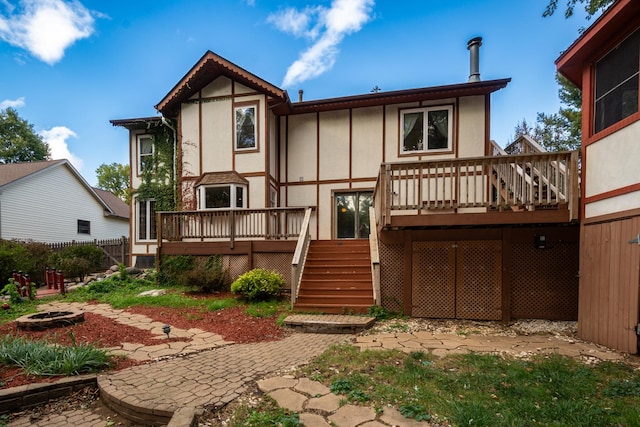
(280, 262)
(236, 264)
(544, 282)
(479, 281)
(433, 279)
(391, 276)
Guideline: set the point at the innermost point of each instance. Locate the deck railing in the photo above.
(230, 224)
(504, 182)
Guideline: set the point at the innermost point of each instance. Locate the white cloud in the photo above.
(251, 2)
(13, 103)
(327, 27)
(46, 28)
(57, 137)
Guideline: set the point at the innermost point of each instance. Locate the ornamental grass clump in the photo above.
(41, 359)
(259, 285)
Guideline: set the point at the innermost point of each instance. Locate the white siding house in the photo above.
(50, 202)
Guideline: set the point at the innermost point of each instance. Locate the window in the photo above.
(220, 196)
(246, 131)
(616, 92)
(147, 220)
(145, 152)
(426, 129)
(84, 227)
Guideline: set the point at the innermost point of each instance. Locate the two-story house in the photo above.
(394, 198)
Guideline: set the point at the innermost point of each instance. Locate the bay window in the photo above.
(426, 129)
(223, 196)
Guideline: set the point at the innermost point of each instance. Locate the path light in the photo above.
(166, 329)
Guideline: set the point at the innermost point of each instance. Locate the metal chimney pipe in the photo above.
(300, 92)
(473, 46)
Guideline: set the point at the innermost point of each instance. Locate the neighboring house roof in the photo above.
(117, 206)
(14, 172)
(602, 36)
(207, 69)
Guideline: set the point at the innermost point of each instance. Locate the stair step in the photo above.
(332, 309)
(336, 278)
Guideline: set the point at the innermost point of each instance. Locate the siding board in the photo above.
(609, 284)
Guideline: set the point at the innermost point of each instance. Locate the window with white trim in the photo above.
(146, 220)
(616, 83)
(145, 152)
(246, 132)
(426, 129)
(223, 196)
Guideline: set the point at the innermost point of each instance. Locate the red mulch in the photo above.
(231, 323)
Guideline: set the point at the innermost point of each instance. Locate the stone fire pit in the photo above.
(49, 319)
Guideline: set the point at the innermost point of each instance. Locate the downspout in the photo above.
(175, 161)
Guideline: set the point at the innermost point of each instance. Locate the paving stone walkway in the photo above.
(198, 339)
(209, 371)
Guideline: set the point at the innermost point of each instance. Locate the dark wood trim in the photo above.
(317, 172)
(384, 133)
(613, 193)
(350, 147)
(200, 168)
(489, 218)
(178, 156)
(407, 277)
(488, 149)
(616, 216)
(254, 174)
(267, 154)
(506, 274)
(329, 181)
(244, 247)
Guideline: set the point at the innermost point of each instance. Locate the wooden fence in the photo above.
(115, 250)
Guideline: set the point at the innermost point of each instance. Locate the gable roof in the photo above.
(602, 36)
(207, 69)
(118, 208)
(12, 173)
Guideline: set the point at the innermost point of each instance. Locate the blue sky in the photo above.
(68, 67)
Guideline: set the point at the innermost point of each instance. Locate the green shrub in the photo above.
(39, 255)
(173, 268)
(208, 275)
(258, 284)
(78, 261)
(13, 256)
(199, 273)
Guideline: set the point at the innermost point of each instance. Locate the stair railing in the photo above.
(300, 256)
(375, 255)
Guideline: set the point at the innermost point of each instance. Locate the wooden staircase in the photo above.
(336, 278)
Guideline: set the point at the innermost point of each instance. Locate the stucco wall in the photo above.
(612, 164)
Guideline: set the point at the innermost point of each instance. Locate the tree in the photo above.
(590, 6)
(18, 141)
(115, 178)
(561, 131)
